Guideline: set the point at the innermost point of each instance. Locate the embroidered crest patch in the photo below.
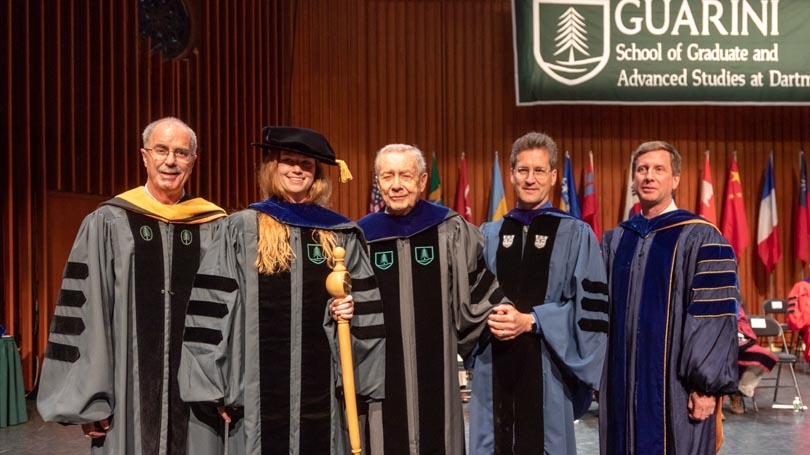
(315, 253)
(146, 233)
(540, 241)
(423, 254)
(508, 240)
(383, 260)
(186, 237)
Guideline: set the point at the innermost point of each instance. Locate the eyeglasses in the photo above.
(540, 172)
(181, 155)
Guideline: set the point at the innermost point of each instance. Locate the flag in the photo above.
(803, 214)
(570, 202)
(435, 186)
(497, 200)
(632, 206)
(377, 203)
(706, 209)
(463, 189)
(734, 224)
(770, 252)
(590, 205)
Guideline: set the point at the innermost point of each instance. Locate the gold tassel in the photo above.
(345, 173)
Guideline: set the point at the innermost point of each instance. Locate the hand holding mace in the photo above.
(339, 285)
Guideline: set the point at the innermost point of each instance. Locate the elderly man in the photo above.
(114, 347)
(539, 372)
(436, 296)
(672, 344)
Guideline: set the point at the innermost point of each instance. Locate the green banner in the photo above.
(662, 51)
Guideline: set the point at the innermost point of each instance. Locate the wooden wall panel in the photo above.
(80, 83)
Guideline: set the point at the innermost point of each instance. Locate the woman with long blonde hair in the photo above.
(261, 329)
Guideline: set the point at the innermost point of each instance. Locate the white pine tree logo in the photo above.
(577, 44)
(571, 36)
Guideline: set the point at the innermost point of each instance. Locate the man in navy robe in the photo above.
(672, 348)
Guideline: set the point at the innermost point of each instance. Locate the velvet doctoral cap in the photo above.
(298, 140)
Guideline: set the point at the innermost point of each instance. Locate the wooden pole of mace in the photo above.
(339, 285)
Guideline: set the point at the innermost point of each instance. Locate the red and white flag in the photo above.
(770, 252)
(734, 223)
(590, 204)
(632, 206)
(462, 191)
(707, 207)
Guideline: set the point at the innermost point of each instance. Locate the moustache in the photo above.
(169, 170)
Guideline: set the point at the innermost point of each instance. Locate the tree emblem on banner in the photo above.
(571, 40)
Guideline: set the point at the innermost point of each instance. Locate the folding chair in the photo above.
(772, 307)
(768, 327)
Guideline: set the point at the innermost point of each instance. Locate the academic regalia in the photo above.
(267, 344)
(114, 346)
(798, 312)
(528, 391)
(751, 354)
(674, 293)
(436, 296)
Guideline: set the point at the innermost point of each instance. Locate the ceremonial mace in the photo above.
(339, 285)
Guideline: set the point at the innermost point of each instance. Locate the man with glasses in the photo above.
(114, 347)
(436, 295)
(538, 371)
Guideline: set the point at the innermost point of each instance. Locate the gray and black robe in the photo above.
(266, 344)
(114, 347)
(437, 294)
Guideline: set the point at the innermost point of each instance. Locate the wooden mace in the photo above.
(339, 285)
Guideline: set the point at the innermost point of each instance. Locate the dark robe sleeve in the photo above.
(475, 288)
(212, 358)
(708, 362)
(76, 384)
(367, 328)
(576, 330)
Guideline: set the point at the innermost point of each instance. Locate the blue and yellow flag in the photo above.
(570, 202)
(435, 185)
(497, 200)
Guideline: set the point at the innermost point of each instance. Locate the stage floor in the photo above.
(775, 431)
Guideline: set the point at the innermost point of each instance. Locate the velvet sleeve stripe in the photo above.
(593, 325)
(368, 332)
(202, 335)
(62, 352)
(214, 282)
(714, 279)
(713, 307)
(206, 308)
(496, 297)
(364, 284)
(71, 298)
(715, 251)
(369, 307)
(595, 305)
(68, 325)
(481, 265)
(77, 271)
(482, 288)
(595, 287)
